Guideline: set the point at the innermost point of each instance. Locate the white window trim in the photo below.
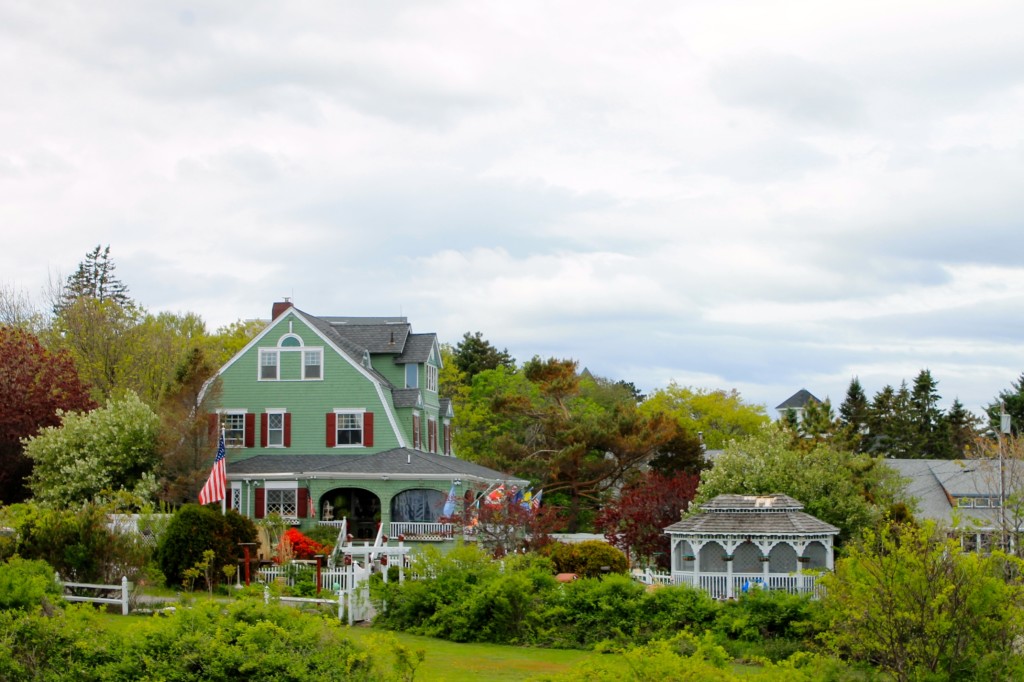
(361, 411)
(281, 485)
(236, 492)
(267, 352)
(225, 413)
(275, 410)
(320, 363)
(432, 375)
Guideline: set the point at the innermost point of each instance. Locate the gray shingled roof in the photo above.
(797, 400)
(934, 484)
(376, 334)
(405, 397)
(399, 463)
(417, 348)
(780, 517)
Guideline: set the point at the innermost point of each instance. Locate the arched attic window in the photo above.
(289, 341)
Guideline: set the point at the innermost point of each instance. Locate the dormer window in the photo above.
(432, 378)
(412, 376)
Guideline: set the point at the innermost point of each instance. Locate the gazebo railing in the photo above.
(717, 584)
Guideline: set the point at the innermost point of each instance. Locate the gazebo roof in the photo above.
(752, 515)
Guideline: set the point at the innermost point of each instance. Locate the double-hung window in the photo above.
(275, 429)
(431, 378)
(311, 360)
(268, 365)
(350, 428)
(234, 429)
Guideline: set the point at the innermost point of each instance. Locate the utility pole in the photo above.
(1004, 428)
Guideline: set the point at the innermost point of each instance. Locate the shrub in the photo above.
(588, 559)
(78, 543)
(26, 583)
(302, 547)
(195, 529)
(590, 610)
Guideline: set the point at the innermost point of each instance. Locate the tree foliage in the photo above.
(636, 518)
(475, 354)
(718, 415)
(850, 491)
(574, 436)
(111, 448)
(93, 279)
(909, 600)
(35, 385)
(1012, 399)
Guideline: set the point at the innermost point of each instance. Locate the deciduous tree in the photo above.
(717, 415)
(35, 385)
(850, 491)
(909, 600)
(111, 448)
(636, 518)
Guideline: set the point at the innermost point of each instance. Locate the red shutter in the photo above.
(214, 422)
(287, 429)
(368, 429)
(447, 439)
(261, 499)
(332, 429)
(250, 430)
(303, 501)
(264, 427)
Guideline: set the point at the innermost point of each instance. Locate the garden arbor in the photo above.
(736, 542)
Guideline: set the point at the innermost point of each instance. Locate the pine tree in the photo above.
(1013, 399)
(931, 432)
(94, 279)
(854, 413)
(963, 428)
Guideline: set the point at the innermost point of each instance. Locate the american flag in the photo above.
(213, 491)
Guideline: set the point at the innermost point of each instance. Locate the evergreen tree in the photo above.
(962, 427)
(1013, 399)
(931, 432)
(475, 354)
(891, 424)
(94, 279)
(853, 417)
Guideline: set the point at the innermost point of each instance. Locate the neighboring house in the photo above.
(326, 418)
(965, 495)
(741, 542)
(796, 403)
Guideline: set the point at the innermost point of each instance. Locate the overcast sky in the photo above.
(758, 195)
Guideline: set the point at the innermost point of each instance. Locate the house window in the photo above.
(275, 429)
(412, 376)
(311, 364)
(350, 428)
(981, 502)
(268, 365)
(236, 497)
(432, 378)
(283, 502)
(234, 429)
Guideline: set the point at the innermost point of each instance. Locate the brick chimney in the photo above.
(280, 307)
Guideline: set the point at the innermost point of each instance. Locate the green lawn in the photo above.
(453, 662)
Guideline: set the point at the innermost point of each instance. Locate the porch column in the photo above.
(830, 559)
(696, 547)
(730, 550)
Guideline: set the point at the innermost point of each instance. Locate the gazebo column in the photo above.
(766, 552)
(730, 548)
(830, 560)
(696, 546)
(800, 548)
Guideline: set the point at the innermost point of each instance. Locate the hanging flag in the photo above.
(495, 497)
(518, 496)
(526, 502)
(311, 512)
(449, 504)
(213, 490)
(535, 502)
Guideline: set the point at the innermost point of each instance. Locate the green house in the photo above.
(332, 418)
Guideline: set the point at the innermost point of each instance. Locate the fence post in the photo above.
(266, 594)
(124, 595)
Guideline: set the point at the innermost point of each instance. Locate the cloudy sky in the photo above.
(758, 195)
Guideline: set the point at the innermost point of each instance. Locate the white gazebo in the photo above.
(741, 542)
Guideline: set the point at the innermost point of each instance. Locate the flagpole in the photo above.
(224, 500)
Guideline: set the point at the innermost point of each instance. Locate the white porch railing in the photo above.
(422, 532)
(717, 584)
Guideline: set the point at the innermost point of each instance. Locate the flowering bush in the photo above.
(302, 547)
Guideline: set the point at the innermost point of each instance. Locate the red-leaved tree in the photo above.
(34, 384)
(635, 520)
